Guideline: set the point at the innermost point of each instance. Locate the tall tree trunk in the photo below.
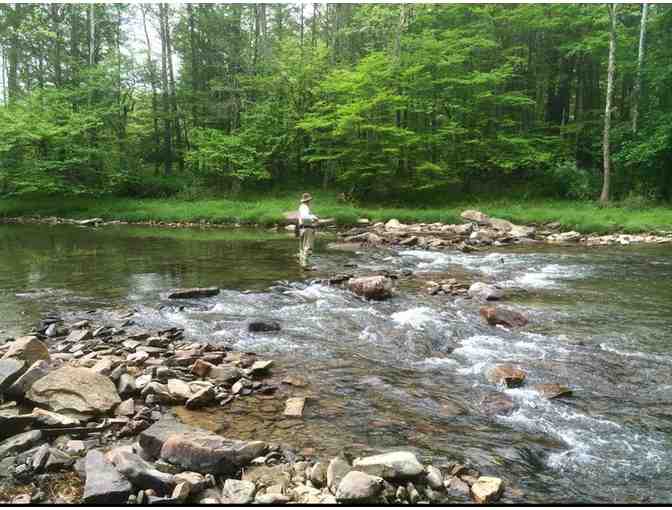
(92, 33)
(173, 94)
(13, 53)
(606, 153)
(640, 61)
(167, 125)
(74, 44)
(314, 24)
(151, 68)
(194, 65)
(301, 29)
(3, 74)
(56, 19)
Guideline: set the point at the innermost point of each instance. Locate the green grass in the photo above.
(581, 216)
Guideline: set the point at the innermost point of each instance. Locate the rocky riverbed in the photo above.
(88, 417)
(480, 231)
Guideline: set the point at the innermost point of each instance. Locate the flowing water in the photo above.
(408, 372)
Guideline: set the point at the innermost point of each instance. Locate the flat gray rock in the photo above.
(19, 443)
(104, 484)
(238, 492)
(35, 372)
(204, 452)
(75, 389)
(391, 466)
(152, 439)
(141, 473)
(10, 370)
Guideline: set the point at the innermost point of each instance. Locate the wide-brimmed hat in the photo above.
(306, 197)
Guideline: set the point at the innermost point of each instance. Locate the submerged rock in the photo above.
(480, 290)
(497, 404)
(553, 390)
(507, 375)
(294, 407)
(193, 293)
(371, 287)
(263, 326)
(500, 316)
(75, 389)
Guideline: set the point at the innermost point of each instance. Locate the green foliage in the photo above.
(387, 102)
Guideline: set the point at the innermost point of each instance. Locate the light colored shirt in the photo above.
(305, 216)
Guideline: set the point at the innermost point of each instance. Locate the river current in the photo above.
(408, 372)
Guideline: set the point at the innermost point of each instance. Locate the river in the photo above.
(408, 372)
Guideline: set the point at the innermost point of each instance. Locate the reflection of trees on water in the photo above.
(114, 264)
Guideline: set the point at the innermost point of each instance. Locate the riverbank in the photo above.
(583, 217)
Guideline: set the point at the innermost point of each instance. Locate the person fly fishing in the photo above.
(307, 222)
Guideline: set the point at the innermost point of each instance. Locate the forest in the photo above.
(374, 101)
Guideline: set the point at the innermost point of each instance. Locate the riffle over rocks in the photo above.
(115, 450)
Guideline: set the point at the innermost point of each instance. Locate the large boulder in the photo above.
(475, 216)
(76, 390)
(500, 316)
(391, 466)
(152, 439)
(205, 452)
(27, 348)
(371, 287)
(193, 293)
(357, 488)
(104, 484)
(10, 370)
(480, 290)
(501, 225)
